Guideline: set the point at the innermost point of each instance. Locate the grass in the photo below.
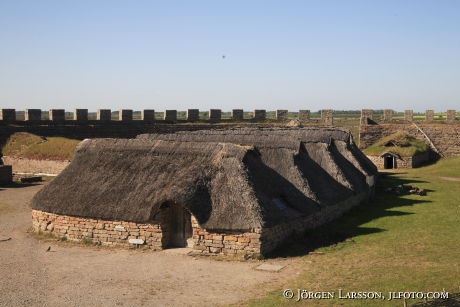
(31, 146)
(399, 243)
(403, 144)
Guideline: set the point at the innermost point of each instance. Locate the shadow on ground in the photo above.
(16, 185)
(452, 301)
(348, 226)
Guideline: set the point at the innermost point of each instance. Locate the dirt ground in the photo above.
(77, 275)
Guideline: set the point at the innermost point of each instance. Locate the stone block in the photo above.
(244, 240)
(304, 115)
(229, 251)
(8, 115)
(215, 250)
(33, 115)
(451, 115)
(148, 115)
(57, 115)
(80, 115)
(282, 115)
(260, 115)
(215, 115)
(125, 115)
(429, 115)
(237, 114)
(366, 114)
(388, 115)
(104, 115)
(193, 115)
(253, 235)
(170, 115)
(409, 115)
(327, 117)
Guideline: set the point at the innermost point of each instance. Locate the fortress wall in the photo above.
(443, 132)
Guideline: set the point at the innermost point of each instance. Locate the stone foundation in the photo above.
(251, 242)
(96, 231)
(225, 242)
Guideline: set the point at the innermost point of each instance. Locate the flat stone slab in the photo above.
(136, 241)
(270, 267)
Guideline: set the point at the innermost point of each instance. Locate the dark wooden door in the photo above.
(180, 226)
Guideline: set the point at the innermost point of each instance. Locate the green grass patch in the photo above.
(31, 146)
(444, 168)
(395, 243)
(399, 143)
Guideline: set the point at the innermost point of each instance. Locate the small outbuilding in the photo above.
(399, 150)
(241, 190)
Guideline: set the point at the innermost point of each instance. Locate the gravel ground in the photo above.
(77, 275)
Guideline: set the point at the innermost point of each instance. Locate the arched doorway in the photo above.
(388, 162)
(177, 225)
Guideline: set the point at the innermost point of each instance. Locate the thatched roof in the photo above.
(236, 179)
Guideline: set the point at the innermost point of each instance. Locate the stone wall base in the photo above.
(97, 231)
(250, 242)
(224, 242)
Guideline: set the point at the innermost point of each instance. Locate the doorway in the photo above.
(178, 226)
(389, 162)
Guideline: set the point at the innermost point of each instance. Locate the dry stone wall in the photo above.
(97, 231)
(31, 166)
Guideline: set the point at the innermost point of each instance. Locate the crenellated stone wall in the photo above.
(104, 116)
(367, 117)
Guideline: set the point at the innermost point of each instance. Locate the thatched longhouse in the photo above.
(239, 190)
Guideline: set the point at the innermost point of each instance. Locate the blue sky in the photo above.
(230, 54)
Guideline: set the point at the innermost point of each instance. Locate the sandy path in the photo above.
(74, 275)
